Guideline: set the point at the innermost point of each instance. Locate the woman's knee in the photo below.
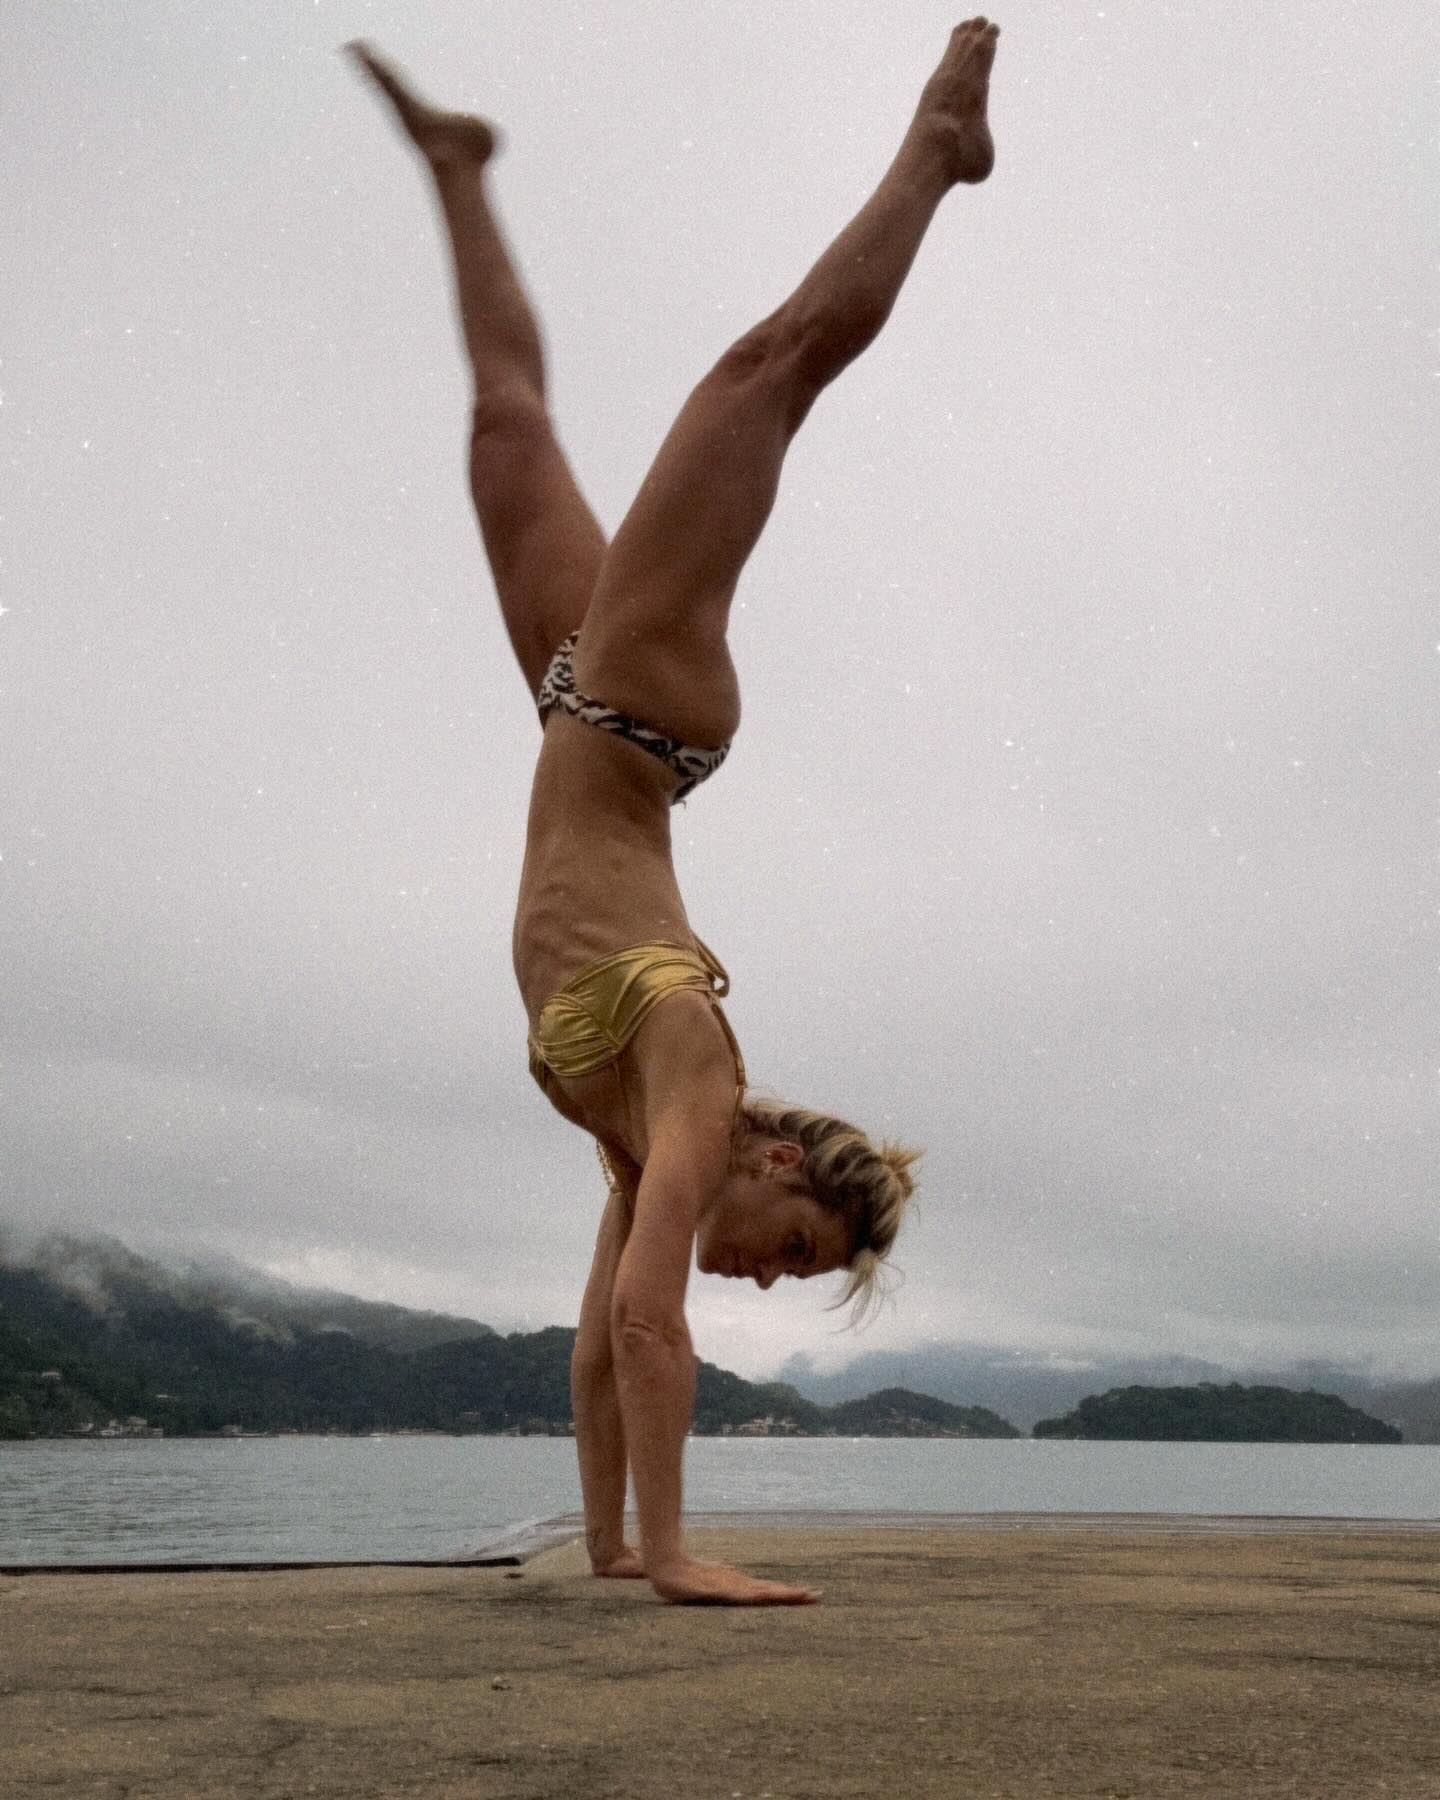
(503, 417)
(776, 359)
(771, 351)
(812, 343)
(512, 448)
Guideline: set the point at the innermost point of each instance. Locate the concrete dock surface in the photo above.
(945, 1660)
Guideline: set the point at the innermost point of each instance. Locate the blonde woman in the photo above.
(623, 647)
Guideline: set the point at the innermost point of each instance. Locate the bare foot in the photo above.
(952, 107)
(440, 136)
(627, 1565)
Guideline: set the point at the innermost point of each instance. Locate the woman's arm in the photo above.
(599, 1428)
(654, 1361)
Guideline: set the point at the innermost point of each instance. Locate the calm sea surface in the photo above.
(320, 1498)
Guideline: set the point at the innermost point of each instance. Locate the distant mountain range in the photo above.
(95, 1340)
(1027, 1387)
(90, 1332)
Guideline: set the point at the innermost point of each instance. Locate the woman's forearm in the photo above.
(600, 1446)
(655, 1374)
(599, 1428)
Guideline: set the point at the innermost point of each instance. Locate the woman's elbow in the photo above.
(639, 1324)
(592, 1366)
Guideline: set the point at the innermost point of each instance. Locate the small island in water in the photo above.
(1212, 1413)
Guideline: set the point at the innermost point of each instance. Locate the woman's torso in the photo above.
(598, 877)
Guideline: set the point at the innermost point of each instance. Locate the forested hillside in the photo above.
(131, 1351)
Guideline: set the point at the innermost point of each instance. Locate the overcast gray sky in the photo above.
(1082, 827)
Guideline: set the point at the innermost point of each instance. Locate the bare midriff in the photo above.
(598, 877)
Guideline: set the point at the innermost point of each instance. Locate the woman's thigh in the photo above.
(543, 543)
(655, 635)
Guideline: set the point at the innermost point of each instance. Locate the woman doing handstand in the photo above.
(623, 647)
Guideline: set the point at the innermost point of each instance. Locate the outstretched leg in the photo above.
(654, 640)
(544, 544)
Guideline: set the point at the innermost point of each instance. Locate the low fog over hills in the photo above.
(1020, 1385)
(107, 1273)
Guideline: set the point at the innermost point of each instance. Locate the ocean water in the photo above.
(256, 1499)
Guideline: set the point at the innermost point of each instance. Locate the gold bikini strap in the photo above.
(714, 968)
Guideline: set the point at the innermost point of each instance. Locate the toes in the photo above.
(975, 34)
(979, 43)
(360, 50)
(385, 78)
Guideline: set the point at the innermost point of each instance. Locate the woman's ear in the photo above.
(784, 1155)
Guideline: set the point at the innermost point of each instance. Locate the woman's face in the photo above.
(765, 1223)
